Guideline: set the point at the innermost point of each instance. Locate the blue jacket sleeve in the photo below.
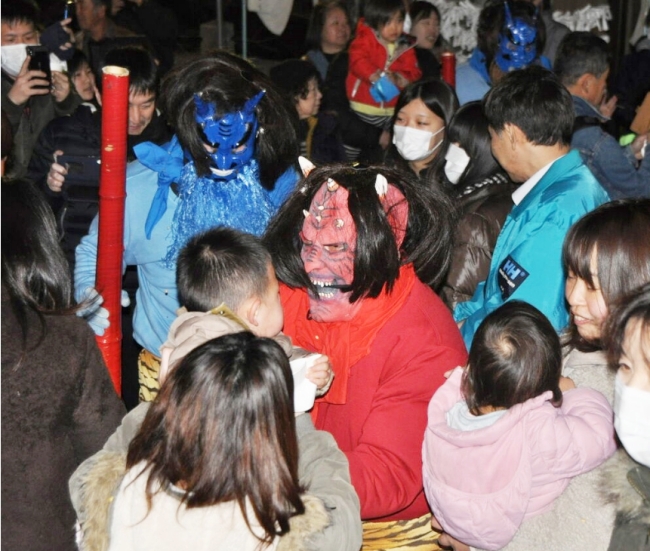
(539, 254)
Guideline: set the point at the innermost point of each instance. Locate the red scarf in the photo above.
(344, 342)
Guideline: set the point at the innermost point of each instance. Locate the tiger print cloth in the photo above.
(406, 535)
(148, 370)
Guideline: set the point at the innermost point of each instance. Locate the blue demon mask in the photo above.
(517, 43)
(231, 137)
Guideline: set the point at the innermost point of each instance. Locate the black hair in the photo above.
(440, 99)
(633, 307)
(228, 81)
(223, 425)
(293, 77)
(20, 11)
(221, 265)
(427, 243)
(491, 21)
(515, 356)
(420, 9)
(317, 21)
(535, 101)
(581, 53)
(618, 232)
(469, 128)
(377, 13)
(76, 61)
(106, 3)
(35, 272)
(143, 69)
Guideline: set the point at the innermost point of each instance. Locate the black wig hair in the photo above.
(427, 244)
(228, 81)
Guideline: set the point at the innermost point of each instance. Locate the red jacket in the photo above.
(381, 426)
(367, 54)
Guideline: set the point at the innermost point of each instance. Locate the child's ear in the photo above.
(252, 311)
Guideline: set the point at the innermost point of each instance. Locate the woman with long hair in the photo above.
(58, 403)
(482, 192)
(418, 130)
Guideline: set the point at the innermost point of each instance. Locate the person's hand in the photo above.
(566, 384)
(320, 373)
(639, 144)
(384, 139)
(375, 76)
(399, 80)
(27, 84)
(65, 26)
(56, 175)
(125, 300)
(60, 86)
(608, 107)
(93, 311)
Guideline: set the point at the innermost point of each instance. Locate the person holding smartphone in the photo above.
(28, 98)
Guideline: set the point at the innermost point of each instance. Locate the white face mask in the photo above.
(413, 144)
(632, 420)
(457, 161)
(13, 56)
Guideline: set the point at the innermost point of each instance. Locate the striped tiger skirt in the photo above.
(406, 535)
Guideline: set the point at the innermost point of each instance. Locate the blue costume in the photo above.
(517, 49)
(527, 259)
(151, 242)
(614, 167)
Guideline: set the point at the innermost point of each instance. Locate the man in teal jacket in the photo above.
(531, 120)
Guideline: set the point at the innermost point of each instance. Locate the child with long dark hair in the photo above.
(216, 458)
(519, 430)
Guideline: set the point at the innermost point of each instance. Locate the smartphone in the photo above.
(67, 11)
(40, 61)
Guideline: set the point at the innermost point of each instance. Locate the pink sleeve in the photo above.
(386, 465)
(582, 435)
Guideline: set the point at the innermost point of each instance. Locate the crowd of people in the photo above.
(458, 273)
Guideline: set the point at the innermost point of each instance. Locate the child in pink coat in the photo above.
(506, 435)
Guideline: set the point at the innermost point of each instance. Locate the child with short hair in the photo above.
(506, 435)
(382, 61)
(227, 273)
